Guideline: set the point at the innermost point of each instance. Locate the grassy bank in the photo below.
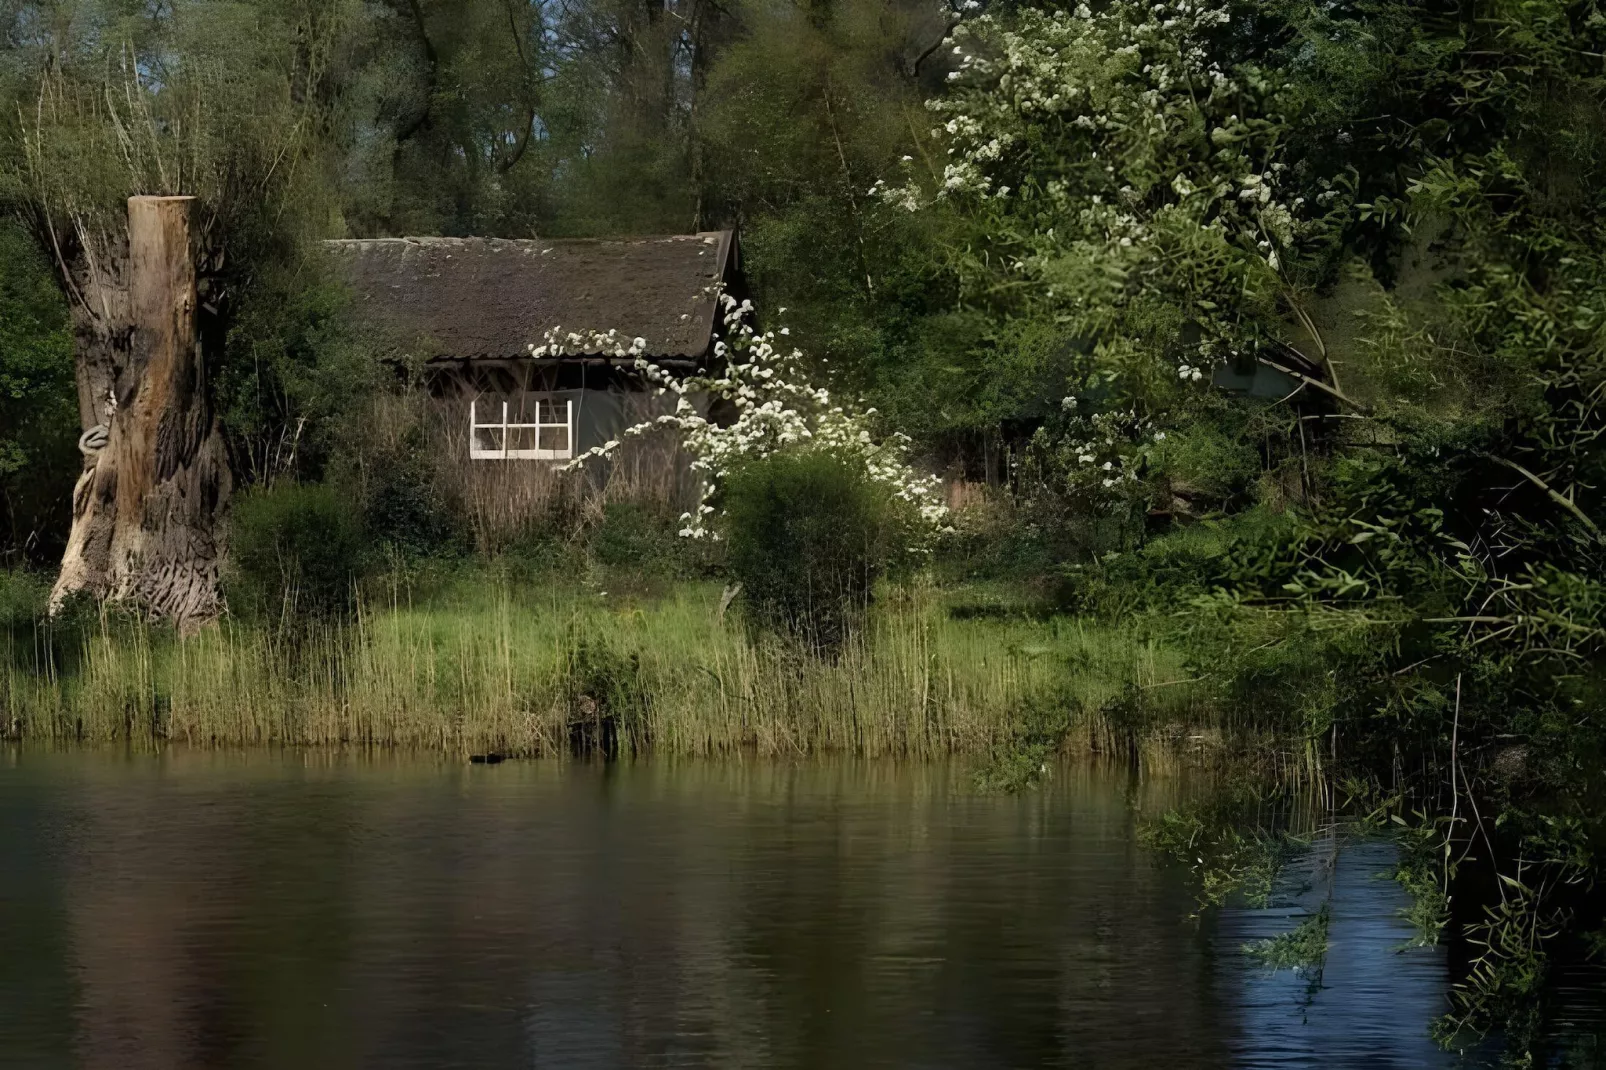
(491, 665)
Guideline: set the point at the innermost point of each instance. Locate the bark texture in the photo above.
(147, 510)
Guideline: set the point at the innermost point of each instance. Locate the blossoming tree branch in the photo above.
(776, 409)
(1129, 173)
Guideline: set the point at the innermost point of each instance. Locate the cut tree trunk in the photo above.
(148, 508)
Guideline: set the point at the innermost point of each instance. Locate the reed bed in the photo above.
(509, 671)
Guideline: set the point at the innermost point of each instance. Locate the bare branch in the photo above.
(1560, 499)
(1317, 383)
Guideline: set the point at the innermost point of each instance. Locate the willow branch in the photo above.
(1317, 383)
(1555, 496)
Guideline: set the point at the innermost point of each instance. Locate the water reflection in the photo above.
(1374, 996)
(212, 910)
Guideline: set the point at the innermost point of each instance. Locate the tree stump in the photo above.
(147, 510)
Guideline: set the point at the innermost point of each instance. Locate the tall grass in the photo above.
(506, 669)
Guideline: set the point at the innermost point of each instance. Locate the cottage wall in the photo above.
(606, 400)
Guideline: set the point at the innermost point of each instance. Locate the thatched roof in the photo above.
(469, 298)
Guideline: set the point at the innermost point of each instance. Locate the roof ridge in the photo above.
(706, 236)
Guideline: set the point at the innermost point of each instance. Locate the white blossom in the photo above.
(1085, 103)
(776, 407)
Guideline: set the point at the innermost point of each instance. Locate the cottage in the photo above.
(467, 311)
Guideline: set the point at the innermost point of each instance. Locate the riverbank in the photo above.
(539, 670)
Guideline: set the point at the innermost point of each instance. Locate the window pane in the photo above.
(488, 438)
(554, 411)
(555, 439)
(530, 408)
(520, 438)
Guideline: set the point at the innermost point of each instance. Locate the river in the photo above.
(201, 909)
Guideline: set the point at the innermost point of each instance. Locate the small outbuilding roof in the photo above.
(471, 298)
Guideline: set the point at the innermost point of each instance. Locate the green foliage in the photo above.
(23, 596)
(1234, 841)
(543, 551)
(1510, 939)
(802, 111)
(1207, 466)
(1303, 948)
(403, 509)
(1022, 759)
(38, 404)
(1426, 849)
(808, 537)
(1011, 541)
(1400, 566)
(294, 381)
(634, 538)
(446, 103)
(224, 102)
(296, 551)
(608, 700)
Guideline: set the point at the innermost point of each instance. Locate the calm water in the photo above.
(237, 911)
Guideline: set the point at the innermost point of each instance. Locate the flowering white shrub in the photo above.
(1119, 160)
(775, 408)
(1100, 450)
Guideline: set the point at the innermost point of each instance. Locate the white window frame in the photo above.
(477, 453)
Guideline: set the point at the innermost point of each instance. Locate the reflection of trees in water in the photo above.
(36, 987)
(188, 885)
(228, 912)
(149, 994)
(251, 910)
(1373, 1000)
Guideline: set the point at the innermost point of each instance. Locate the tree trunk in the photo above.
(148, 507)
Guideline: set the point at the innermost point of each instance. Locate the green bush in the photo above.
(294, 549)
(632, 536)
(541, 552)
(1208, 465)
(404, 509)
(23, 599)
(809, 535)
(297, 379)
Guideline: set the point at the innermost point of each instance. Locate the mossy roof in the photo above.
(478, 298)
